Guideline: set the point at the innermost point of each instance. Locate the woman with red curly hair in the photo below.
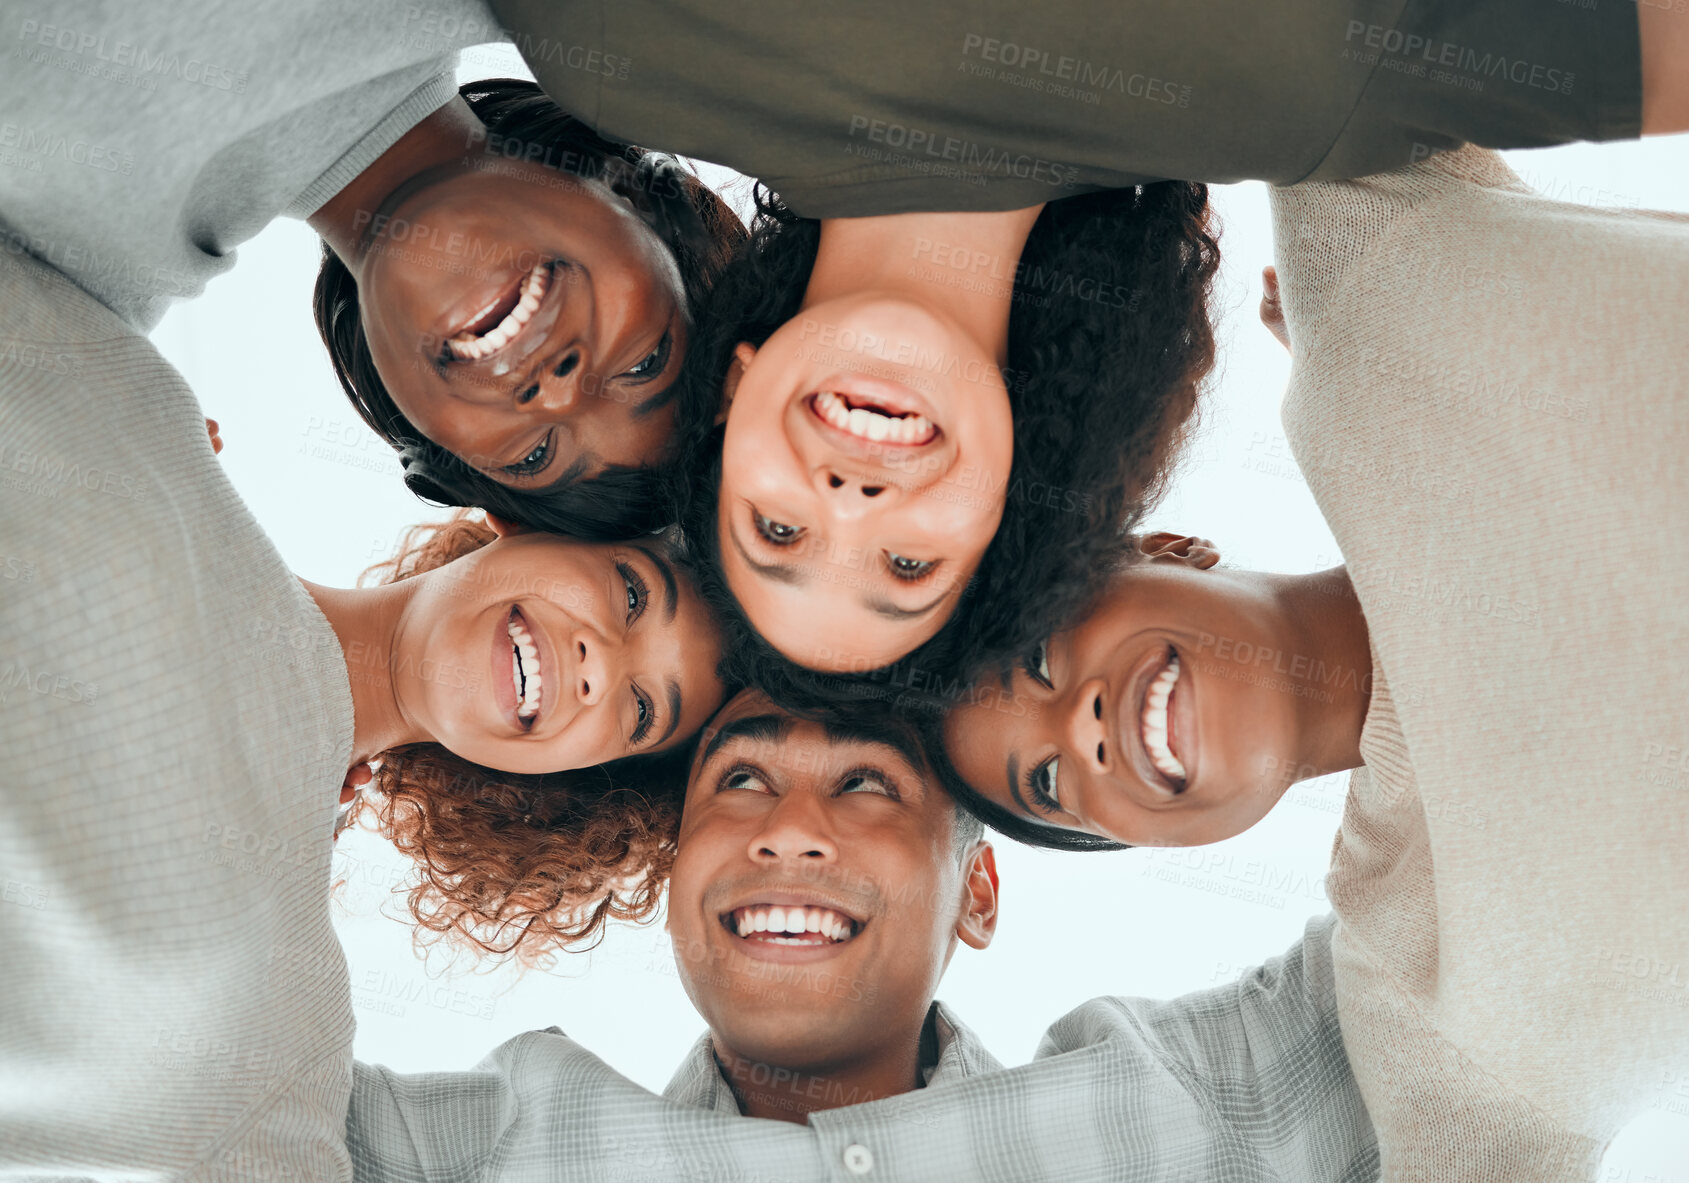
(526, 701)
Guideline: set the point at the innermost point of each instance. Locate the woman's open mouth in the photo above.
(1156, 721)
(525, 676)
(497, 324)
(872, 420)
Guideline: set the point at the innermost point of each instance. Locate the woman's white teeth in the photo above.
(468, 346)
(793, 925)
(873, 425)
(524, 670)
(1154, 722)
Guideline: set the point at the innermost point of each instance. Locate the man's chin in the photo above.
(795, 1040)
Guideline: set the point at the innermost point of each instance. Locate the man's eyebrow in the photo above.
(884, 607)
(672, 590)
(674, 705)
(784, 572)
(767, 728)
(891, 737)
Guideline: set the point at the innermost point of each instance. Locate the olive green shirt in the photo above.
(888, 106)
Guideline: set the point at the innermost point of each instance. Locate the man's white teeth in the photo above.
(524, 670)
(803, 926)
(470, 347)
(873, 425)
(1155, 721)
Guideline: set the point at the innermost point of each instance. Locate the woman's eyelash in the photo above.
(531, 463)
(1035, 781)
(1037, 666)
(909, 570)
(769, 530)
(655, 362)
(647, 717)
(639, 591)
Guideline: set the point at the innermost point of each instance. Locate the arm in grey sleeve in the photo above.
(1263, 1060)
(1244, 1082)
(541, 1107)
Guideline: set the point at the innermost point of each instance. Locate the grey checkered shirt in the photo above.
(1246, 1081)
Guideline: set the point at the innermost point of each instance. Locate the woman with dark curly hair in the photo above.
(1502, 685)
(506, 297)
(939, 426)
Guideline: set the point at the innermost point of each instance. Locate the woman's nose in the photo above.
(1087, 725)
(591, 667)
(852, 494)
(556, 390)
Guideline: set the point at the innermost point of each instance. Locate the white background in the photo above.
(1072, 926)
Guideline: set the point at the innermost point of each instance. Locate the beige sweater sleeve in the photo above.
(1487, 399)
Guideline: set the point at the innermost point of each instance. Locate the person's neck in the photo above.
(366, 621)
(914, 257)
(1324, 620)
(791, 1094)
(451, 135)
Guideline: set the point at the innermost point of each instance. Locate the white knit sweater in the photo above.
(1490, 399)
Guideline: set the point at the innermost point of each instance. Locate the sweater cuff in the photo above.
(417, 106)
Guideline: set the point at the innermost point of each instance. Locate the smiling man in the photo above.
(822, 883)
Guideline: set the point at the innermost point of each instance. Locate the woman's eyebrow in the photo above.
(884, 607)
(784, 572)
(674, 709)
(671, 590)
(1014, 783)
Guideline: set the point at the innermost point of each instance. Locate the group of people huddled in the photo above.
(789, 558)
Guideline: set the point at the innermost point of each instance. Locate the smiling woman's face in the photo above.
(537, 653)
(1154, 722)
(525, 320)
(864, 467)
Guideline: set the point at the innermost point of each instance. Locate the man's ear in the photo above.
(504, 527)
(978, 923)
(744, 354)
(1193, 552)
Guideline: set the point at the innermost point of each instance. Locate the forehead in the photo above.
(750, 725)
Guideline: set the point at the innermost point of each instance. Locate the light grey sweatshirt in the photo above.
(175, 721)
(141, 142)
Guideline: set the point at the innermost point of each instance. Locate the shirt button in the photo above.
(858, 1159)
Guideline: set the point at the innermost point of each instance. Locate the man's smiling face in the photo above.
(818, 891)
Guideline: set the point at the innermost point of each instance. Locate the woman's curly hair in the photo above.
(517, 865)
(1110, 339)
(699, 229)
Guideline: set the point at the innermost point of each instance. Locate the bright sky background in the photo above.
(1072, 926)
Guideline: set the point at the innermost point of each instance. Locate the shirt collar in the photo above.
(698, 1081)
